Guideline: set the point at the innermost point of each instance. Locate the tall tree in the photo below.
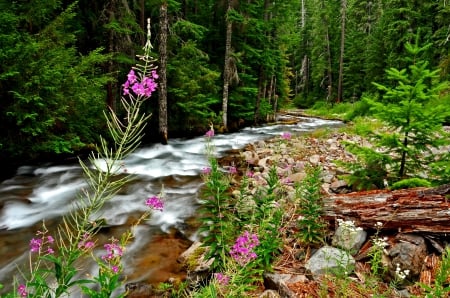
(341, 55)
(227, 64)
(162, 90)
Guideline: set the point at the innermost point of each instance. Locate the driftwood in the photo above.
(407, 210)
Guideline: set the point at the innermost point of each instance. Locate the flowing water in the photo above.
(45, 193)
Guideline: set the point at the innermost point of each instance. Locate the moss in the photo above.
(410, 183)
(193, 261)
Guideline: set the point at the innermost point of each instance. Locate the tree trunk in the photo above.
(406, 210)
(269, 98)
(162, 90)
(142, 19)
(226, 68)
(341, 57)
(330, 67)
(260, 96)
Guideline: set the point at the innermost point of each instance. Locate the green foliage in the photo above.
(194, 87)
(48, 87)
(359, 109)
(370, 171)
(410, 183)
(307, 194)
(215, 212)
(267, 219)
(413, 125)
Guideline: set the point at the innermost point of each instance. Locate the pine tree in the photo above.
(410, 108)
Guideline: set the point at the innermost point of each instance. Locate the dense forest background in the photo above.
(225, 62)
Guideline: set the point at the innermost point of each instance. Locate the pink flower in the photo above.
(131, 77)
(89, 244)
(210, 133)
(115, 269)
(112, 250)
(206, 171)
(22, 290)
(144, 88)
(50, 239)
(286, 135)
(222, 278)
(232, 170)
(242, 250)
(155, 203)
(50, 251)
(35, 245)
(85, 243)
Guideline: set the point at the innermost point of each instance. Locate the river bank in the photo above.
(324, 148)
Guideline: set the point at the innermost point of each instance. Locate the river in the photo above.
(46, 193)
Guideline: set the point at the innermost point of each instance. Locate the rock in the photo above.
(196, 266)
(269, 294)
(264, 163)
(141, 290)
(193, 258)
(314, 159)
(409, 252)
(280, 282)
(349, 239)
(339, 186)
(330, 260)
(297, 177)
(250, 157)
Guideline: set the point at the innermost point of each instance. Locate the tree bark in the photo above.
(226, 68)
(341, 56)
(162, 90)
(406, 210)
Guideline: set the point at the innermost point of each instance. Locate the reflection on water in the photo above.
(48, 192)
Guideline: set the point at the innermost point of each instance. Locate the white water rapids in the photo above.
(48, 192)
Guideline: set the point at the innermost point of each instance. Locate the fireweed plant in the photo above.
(311, 226)
(239, 271)
(255, 209)
(53, 269)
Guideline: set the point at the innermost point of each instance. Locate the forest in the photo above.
(226, 63)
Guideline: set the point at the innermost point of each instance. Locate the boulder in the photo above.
(330, 260)
(407, 253)
(280, 282)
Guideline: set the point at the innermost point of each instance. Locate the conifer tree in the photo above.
(411, 110)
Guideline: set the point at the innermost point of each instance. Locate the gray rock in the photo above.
(297, 177)
(409, 252)
(330, 260)
(339, 186)
(269, 294)
(349, 238)
(280, 282)
(314, 159)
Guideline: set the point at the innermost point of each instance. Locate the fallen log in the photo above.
(406, 210)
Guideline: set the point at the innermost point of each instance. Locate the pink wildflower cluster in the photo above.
(22, 290)
(222, 278)
(232, 170)
(36, 244)
(145, 87)
(206, 171)
(155, 203)
(242, 250)
(113, 253)
(210, 133)
(86, 243)
(286, 135)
